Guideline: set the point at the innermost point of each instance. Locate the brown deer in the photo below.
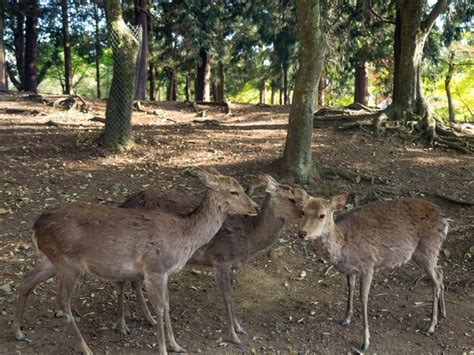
(236, 242)
(120, 244)
(375, 236)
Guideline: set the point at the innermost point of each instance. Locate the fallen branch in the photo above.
(346, 174)
(73, 102)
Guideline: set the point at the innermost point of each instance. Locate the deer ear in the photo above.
(339, 201)
(268, 183)
(301, 196)
(208, 179)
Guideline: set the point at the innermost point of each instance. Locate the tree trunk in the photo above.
(361, 89)
(187, 88)
(152, 75)
(3, 63)
(409, 103)
(172, 92)
(221, 86)
(447, 82)
(19, 40)
(272, 95)
(321, 88)
(203, 76)
(67, 48)
(97, 47)
(396, 54)
(141, 10)
(263, 92)
(31, 49)
(285, 85)
(118, 128)
(297, 155)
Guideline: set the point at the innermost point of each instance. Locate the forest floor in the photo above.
(48, 157)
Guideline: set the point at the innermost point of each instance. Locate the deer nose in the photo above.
(257, 209)
(302, 234)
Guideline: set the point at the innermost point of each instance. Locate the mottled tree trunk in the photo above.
(409, 103)
(31, 47)
(447, 82)
(67, 49)
(3, 63)
(97, 47)
(203, 76)
(361, 87)
(141, 17)
(321, 89)
(118, 127)
(19, 40)
(297, 155)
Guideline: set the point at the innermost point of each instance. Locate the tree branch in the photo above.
(435, 12)
(376, 14)
(12, 77)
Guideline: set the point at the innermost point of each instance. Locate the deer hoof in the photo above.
(344, 323)
(237, 341)
(364, 346)
(124, 330)
(179, 350)
(430, 330)
(241, 331)
(23, 337)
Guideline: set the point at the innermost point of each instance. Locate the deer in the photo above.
(239, 239)
(118, 244)
(382, 234)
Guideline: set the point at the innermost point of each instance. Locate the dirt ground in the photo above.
(48, 158)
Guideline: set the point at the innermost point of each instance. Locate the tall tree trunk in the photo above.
(397, 47)
(272, 94)
(447, 82)
(152, 76)
(221, 86)
(321, 88)
(262, 96)
(285, 85)
(297, 155)
(361, 89)
(281, 96)
(187, 88)
(214, 91)
(118, 128)
(97, 47)
(31, 49)
(141, 15)
(67, 48)
(203, 76)
(19, 40)
(172, 91)
(409, 103)
(3, 63)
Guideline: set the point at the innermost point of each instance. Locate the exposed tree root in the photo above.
(455, 199)
(355, 106)
(331, 111)
(73, 102)
(138, 106)
(346, 174)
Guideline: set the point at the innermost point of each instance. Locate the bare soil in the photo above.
(48, 157)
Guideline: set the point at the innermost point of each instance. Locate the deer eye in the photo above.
(234, 193)
(321, 216)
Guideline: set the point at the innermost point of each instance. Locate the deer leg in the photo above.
(351, 279)
(365, 282)
(442, 306)
(66, 281)
(175, 347)
(155, 285)
(430, 270)
(121, 325)
(43, 271)
(137, 287)
(238, 328)
(222, 277)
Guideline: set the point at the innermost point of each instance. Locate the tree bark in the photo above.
(67, 48)
(187, 88)
(409, 103)
(447, 82)
(97, 47)
(172, 90)
(203, 76)
(321, 88)
(152, 75)
(19, 40)
(285, 85)
(118, 128)
(31, 50)
(361, 87)
(141, 19)
(3, 63)
(263, 91)
(297, 155)
(221, 86)
(396, 55)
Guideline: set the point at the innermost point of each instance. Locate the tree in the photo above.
(297, 155)
(141, 19)
(31, 49)
(3, 63)
(125, 47)
(409, 103)
(67, 48)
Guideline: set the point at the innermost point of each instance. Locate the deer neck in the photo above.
(332, 243)
(267, 227)
(206, 220)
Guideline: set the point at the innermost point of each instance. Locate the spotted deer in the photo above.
(384, 234)
(120, 244)
(236, 242)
